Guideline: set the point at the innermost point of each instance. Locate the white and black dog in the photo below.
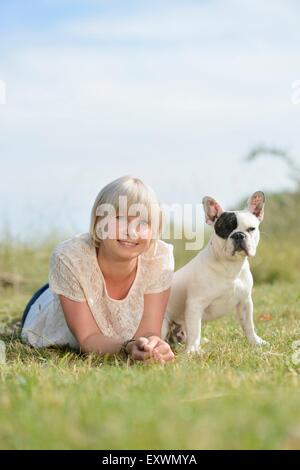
(218, 280)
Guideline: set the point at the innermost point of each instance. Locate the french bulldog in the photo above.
(218, 280)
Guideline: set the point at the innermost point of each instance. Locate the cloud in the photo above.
(212, 22)
(176, 94)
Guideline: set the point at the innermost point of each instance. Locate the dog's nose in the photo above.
(238, 236)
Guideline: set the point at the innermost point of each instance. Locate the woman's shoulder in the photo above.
(77, 246)
(67, 267)
(159, 267)
(159, 249)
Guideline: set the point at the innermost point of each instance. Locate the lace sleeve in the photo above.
(62, 280)
(161, 270)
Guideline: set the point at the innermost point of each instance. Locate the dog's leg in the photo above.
(193, 316)
(245, 316)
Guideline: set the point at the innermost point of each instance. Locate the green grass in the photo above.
(233, 397)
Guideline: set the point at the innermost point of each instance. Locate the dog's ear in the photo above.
(256, 204)
(212, 209)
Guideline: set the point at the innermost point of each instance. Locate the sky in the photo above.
(176, 93)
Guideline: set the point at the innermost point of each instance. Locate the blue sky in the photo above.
(174, 92)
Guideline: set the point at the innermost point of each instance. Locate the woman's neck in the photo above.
(113, 269)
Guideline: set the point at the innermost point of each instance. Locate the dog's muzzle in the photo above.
(239, 240)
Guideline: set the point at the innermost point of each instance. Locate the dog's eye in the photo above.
(250, 229)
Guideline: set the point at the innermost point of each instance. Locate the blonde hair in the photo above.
(136, 192)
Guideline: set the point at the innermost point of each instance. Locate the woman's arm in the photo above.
(85, 329)
(150, 327)
(91, 339)
(153, 315)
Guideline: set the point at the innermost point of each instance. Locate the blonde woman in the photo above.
(108, 288)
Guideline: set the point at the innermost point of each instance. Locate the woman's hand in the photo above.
(159, 350)
(150, 349)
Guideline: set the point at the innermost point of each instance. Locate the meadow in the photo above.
(235, 396)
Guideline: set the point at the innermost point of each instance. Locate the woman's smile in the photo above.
(127, 243)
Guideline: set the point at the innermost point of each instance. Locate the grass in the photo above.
(233, 397)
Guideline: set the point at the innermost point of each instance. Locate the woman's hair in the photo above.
(136, 192)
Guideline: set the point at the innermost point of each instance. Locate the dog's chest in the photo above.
(226, 300)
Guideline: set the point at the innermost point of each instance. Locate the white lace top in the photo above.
(75, 273)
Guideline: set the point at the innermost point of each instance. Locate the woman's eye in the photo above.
(143, 222)
(250, 229)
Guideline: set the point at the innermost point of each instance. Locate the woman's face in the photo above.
(128, 236)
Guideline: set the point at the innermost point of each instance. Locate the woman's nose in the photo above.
(132, 231)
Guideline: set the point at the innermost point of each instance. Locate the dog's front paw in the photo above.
(257, 341)
(194, 351)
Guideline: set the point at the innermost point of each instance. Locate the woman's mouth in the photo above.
(127, 244)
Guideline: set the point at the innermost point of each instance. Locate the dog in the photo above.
(218, 280)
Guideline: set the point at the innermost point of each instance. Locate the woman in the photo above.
(108, 289)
